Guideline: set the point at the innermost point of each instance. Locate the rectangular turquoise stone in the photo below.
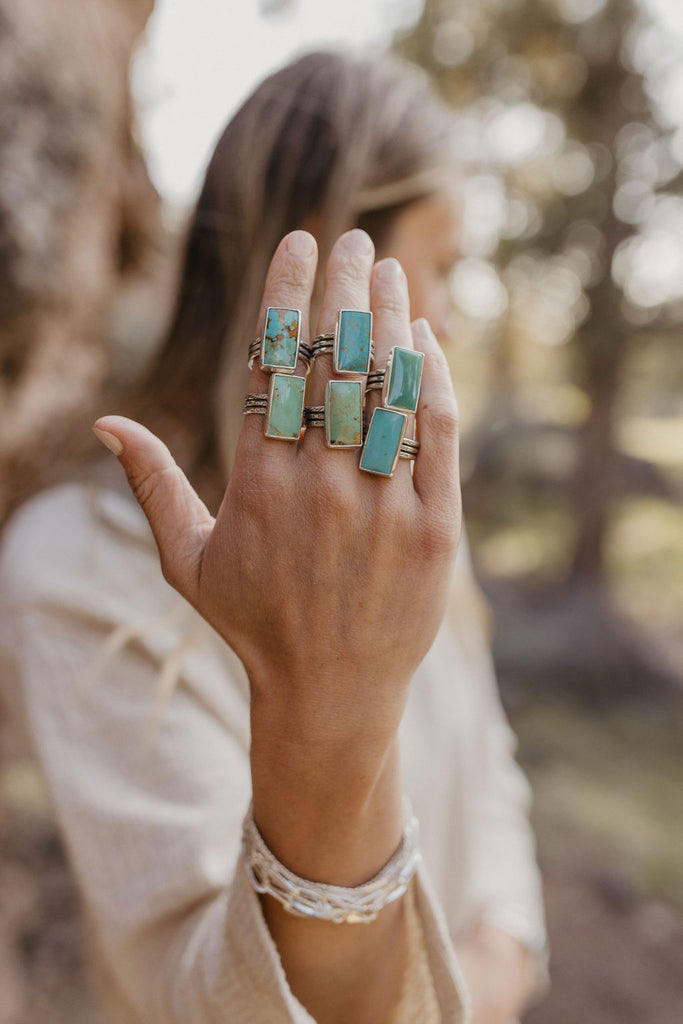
(280, 347)
(285, 407)
(344, 413)
(383, 442)
(352, 341)
(403, 379)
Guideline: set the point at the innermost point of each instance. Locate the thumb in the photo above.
(180, 521)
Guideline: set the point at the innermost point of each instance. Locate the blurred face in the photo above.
(425, 238)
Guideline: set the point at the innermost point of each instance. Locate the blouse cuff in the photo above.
(433, 978)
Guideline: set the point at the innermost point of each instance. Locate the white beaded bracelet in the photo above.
(337, 903)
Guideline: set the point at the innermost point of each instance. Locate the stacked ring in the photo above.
(351, 342)
(314, 416)
(352, 347)
(375, 380)
(283, 406)
(323, 343)
(255, 404)
(256, 345)
(385, 440)
(409, 448)
(280, 346)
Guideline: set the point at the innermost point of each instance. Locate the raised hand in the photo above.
(329, 583)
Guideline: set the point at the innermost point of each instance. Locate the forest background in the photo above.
(568, 359)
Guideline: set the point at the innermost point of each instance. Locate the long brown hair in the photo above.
(328, 136)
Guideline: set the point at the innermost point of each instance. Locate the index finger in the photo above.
(288, 288)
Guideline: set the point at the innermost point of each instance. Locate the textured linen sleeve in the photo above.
(505, 882)
(151, 805)
(152, 824)
(150, 811)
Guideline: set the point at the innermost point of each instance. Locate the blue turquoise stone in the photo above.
(352, 341)
(402, 385)
(281, 339)
(344, 413)
(383, 441)
(286, 407)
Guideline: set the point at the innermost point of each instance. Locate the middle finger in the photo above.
(347, 286)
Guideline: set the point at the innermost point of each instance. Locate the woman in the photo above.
(328, 687)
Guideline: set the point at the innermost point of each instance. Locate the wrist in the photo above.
(330, 812)
(332, 710)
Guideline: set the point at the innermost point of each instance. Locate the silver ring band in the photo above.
(375, 380)
(255, 353)
(409, 448)
(314, 416)
(325, 343)
(255, 404)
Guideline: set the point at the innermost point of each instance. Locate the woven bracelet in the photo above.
(359, 904)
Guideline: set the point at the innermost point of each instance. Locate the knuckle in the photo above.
(345, 276)
(436, 360)
(169, 570)
(441, 420)
(291, 274)
(333, 496)
(148, 486)
(390, 300)
(267, 487)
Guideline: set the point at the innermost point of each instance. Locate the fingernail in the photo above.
(421, 328)
(389, 270)
(108, 440)
(357, 241)
(300, 243)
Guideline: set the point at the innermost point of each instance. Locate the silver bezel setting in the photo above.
(337, 328)
(397, 412)
(270, 367)
(271, 388)
(387, 384)
(362, 416)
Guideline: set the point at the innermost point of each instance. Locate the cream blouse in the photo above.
(139, 714)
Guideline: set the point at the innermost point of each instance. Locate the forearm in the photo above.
(333, 815)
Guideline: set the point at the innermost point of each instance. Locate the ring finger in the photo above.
(391, 310)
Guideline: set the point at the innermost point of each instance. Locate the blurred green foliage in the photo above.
(568, 360)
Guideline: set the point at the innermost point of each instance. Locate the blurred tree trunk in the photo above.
(77, 212)
(602, 343)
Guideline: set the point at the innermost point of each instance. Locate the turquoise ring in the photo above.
(353, 341)
(256, 348)
(383, 442)
(282, 406)
(400, 381)
(341, 415)
(281, 339)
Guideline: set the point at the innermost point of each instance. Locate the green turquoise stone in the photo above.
(286, 407)
(383, 441)
(344, 413)
(402, 385)
(281, 339)
(352, 341)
